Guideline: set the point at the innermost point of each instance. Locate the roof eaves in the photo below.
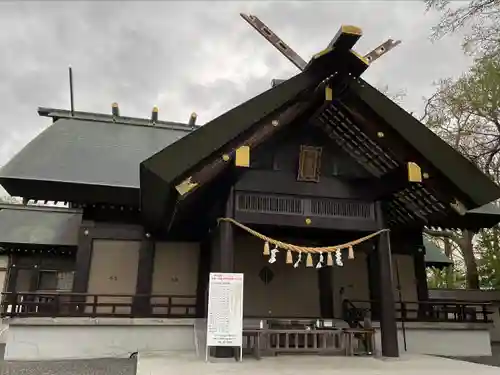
(22, 207)
(453, 165)
(434, 256)
(492, 208)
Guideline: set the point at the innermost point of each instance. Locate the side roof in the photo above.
(33, 225)
(89, 149)
(434, 256)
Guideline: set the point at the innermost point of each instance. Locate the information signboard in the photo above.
(225, 310)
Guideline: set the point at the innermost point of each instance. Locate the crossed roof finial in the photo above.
(298, 61)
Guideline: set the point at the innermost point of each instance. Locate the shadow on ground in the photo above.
(105, 366)
(493, 360)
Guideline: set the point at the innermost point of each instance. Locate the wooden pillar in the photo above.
(204, 262)
(325, 292)
(144, 285)
(373, 284)
(223, 259)
(12, 274)
(388, 327)
(421, 279)
(83, 259)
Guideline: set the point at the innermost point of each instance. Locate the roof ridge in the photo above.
(57, 114)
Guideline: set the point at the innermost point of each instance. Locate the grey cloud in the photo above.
(191, 56)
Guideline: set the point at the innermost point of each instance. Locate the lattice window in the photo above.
(309, 163)
(269, 203)
(337, 208)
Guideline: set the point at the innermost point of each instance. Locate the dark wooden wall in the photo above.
(276, 164)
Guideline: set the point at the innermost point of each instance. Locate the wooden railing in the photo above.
(424, 311)
(42, 304)
(313, 341)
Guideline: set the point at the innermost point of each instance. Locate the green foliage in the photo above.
(440, 279)
(489, 258)
(466, 113)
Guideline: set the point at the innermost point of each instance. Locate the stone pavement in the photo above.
(185, 364)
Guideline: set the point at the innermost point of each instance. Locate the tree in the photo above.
(483, 17)
(489, 258)
(466, 114)
(453, 276)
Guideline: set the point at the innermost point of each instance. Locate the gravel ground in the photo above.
(105, 366)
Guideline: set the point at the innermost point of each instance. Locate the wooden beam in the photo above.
(220, 162)
(346, 37)
(381, 50)
(394, 181)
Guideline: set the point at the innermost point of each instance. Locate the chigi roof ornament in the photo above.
(298, 61)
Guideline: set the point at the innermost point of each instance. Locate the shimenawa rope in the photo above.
(302, 249)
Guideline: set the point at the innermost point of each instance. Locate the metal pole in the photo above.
(401, 305)
(71, 98)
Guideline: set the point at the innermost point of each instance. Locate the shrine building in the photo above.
(318, 190)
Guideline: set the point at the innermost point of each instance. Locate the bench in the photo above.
(318, 341)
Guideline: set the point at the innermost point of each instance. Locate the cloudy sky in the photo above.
(192, 56)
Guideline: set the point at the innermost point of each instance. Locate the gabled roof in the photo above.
(370, 127)
(290, 99)
(88, 149)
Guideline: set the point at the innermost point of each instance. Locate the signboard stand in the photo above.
(225, 312)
